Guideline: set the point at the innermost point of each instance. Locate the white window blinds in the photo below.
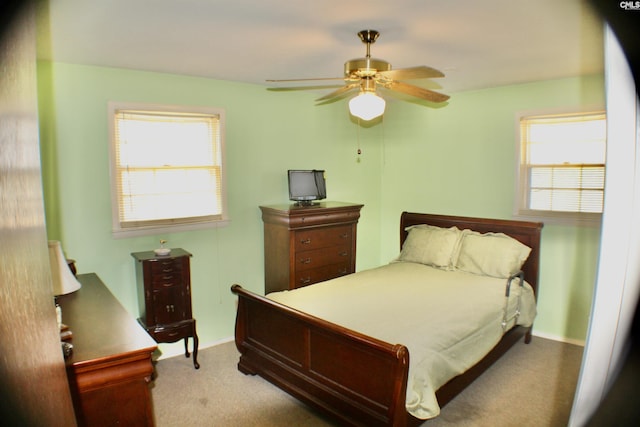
(563, 162)
(167, 167)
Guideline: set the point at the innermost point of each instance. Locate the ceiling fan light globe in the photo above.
(367, 106)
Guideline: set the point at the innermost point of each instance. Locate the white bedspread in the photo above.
(448, 320)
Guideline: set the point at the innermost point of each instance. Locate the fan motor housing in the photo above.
(365, 66)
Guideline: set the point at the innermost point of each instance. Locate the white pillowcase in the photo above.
(430, 245)
(490, 254)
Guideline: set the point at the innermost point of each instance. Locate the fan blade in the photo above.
(336, 93)
(420, 72)
(310, 87)
(304, 80)
(416, 91)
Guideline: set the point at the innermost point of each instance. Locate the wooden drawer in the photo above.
(166, 266)
(322, 237)
(313, 219)
(308, 260)
(309, 277)
(166, 280)
(173, 333)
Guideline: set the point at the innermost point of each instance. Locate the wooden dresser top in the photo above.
(102, 329)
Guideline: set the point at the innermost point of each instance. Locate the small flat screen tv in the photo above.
(306, 186)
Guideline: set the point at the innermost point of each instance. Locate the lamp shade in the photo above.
(64, 282)
(367, 106)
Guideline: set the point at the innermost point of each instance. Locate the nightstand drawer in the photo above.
(165, 266)
(166, 280)
(325, 256)
(309, 277)
(322, 237)
(173, 333)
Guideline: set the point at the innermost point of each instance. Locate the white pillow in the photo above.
(430, 245)
(490, 254)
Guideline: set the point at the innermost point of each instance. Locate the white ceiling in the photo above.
(477, 44)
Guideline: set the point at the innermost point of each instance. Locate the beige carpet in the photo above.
(533, 385)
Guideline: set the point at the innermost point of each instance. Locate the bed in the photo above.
(357, 372)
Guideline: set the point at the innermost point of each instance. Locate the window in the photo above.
(562, 166)
(166, 168)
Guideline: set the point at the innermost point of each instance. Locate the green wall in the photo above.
(458, 160)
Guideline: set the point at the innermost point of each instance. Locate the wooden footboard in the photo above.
(355, 378)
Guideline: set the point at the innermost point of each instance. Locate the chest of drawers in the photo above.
(308, 244)
(164, 298)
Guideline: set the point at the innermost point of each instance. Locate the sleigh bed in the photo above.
(344, 346)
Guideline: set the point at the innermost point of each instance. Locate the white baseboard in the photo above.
(177, 349)
(558, 338)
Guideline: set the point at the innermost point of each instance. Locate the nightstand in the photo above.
(164, 298)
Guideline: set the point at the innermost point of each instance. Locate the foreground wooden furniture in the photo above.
(164, 298)
(308, 244)
(110, 368)
(298, 352)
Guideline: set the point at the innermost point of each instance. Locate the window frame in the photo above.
(522, 185)
(176, 224)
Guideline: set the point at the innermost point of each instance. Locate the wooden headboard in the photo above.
(526, 232)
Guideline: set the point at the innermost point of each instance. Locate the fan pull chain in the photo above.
(358, 159)
(384, 147)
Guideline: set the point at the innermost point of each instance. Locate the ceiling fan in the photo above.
(366, 74)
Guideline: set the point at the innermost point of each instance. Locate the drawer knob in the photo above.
(305, 241)
(345, 253)
(344, 236)
(170, 308)
(305, 261)
(305, 281)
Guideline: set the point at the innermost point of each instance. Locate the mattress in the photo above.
(448, 320)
